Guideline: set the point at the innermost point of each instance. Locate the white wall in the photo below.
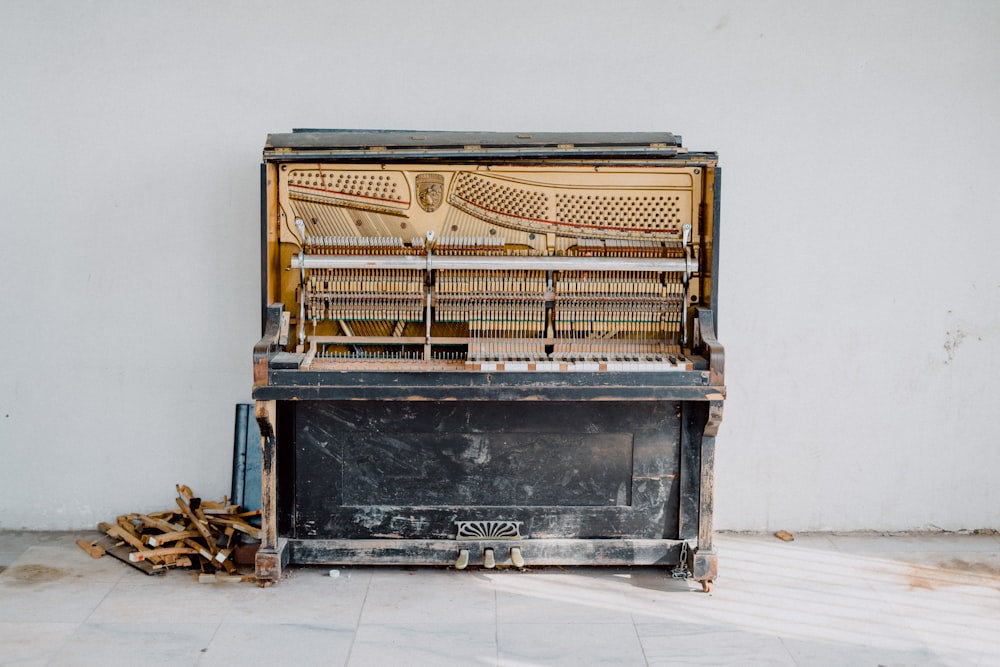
(860, 295)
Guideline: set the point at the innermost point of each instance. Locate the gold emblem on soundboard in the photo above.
(430, 191)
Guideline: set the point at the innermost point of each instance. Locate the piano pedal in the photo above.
(516, 559)
(463, 559)
(489, 562)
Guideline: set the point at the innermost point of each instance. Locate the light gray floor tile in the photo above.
(423, 595)
(573, 644)
(173, 598)
(578, 595)
(52, 601)
(32, 643)
(959, 622)
(19, 540)
(299, 644)
(13, 543)
(769, 559)
(63, 563)
(838, 654)
(16, 541)
(764, 612)
(437, 644)
(130, 644)
(782, 593)
(666, 644)
(8, 557)
(305, 596)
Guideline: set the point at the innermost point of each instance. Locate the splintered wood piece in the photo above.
(139, 556)
(155, 521)
(236, 524)
(126, 524)
(120, 533)
(121, 551)
(222, 558)
(228, 565)
(207, 557)
(210, 507)
(199, 524)
(165, 538)
(92, 549)
(784, 535)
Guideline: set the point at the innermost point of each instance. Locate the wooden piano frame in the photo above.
(426, 463)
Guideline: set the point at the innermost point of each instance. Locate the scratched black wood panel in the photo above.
(486, 469)
(410, 470)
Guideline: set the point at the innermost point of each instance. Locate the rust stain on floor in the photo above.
(954, 572)
(33, 574)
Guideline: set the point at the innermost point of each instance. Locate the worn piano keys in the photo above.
(488, 349)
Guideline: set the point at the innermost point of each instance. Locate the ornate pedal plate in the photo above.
(488, 530)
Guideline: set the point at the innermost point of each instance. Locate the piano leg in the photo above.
(273, 553)
(705, 563)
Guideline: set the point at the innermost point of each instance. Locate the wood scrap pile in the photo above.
(199, 533)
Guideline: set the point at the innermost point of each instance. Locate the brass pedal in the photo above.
(489, 562)
(463, 559)
(516, 558)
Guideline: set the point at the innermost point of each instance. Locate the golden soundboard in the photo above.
(436, 271)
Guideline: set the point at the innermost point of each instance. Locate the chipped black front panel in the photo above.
(412, 470)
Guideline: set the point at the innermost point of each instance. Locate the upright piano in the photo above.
(488, 350)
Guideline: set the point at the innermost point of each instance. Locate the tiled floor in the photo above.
(926, 599)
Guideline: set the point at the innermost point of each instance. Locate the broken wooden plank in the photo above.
(200, 525)
(210, 507)
(121, 551)
(92, 548)
(138, 556)
(160, 523)
(120, 533)
(176, 536)
(241, 526)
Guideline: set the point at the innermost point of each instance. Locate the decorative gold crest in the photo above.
(430, 191)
